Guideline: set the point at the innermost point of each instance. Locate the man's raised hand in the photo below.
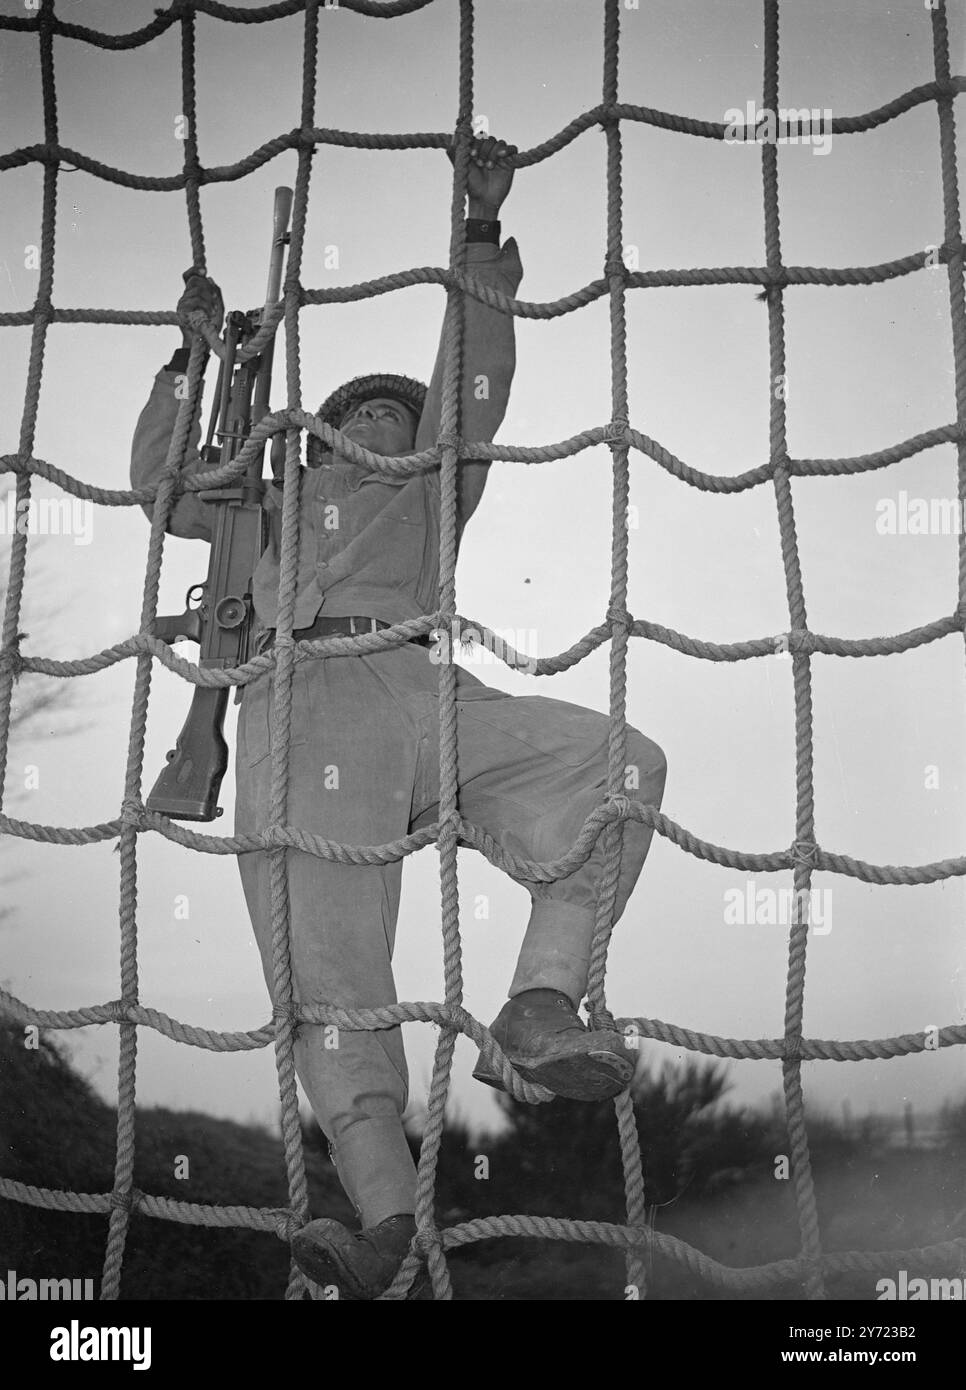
(490, 175)
(201, 295)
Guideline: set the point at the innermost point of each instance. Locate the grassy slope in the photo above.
(55, 1132)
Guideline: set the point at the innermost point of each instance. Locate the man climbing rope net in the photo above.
(530, 771)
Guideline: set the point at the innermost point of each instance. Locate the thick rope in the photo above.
(121, 1203)
(613, 835)
(367, 643)
(390, 1015)
(423, 140)
(284, 671)
(708, 276)
(427, 1237)
(605, 823)
(410, 464)
(954, 263)
(801, 670)
(947, 1255)
(475, 838)
(802, 678)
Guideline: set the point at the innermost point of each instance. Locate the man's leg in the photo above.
(556, 948)
(531, 771)
(350, 780)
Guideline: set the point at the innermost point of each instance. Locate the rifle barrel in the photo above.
(282, 214)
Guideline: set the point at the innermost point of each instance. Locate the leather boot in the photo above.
(546, 1042)
(362, 1265)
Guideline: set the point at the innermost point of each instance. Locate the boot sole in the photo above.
(323, 1263)
(595, 1075)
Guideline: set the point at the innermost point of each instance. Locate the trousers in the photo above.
(364, 769)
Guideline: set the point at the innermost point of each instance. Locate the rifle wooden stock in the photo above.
(222, 622)
(188, 787)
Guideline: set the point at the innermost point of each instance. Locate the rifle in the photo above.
(219, 614)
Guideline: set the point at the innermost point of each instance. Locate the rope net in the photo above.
(810, 1267)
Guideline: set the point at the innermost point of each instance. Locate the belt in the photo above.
(339, 627)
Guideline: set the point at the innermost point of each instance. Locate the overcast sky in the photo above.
(867, 368)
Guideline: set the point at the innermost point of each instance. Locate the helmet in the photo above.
(335, 407)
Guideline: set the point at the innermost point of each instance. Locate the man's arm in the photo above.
(189, 517)
(489, 350)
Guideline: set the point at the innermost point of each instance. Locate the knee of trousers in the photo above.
(647, 787)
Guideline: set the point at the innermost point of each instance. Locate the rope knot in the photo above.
(286, 1223)
(616, 430)
(287, 1009)
(615, 268)
(601, 1020)
(132, 811)
(125, 1201)
(10, 658)
(426, 1240)
(121, 1010)
(449, 439)
(620, 616)
(620, 806)
(804, 853)
(771, 291)
(459, 1018)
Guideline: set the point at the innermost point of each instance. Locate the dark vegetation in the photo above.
(710, 1172)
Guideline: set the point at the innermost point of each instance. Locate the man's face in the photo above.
(382, 425)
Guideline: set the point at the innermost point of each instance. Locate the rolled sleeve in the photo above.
(489, 359)
(190, 517)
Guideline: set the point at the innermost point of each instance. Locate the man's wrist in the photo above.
(483, 212)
